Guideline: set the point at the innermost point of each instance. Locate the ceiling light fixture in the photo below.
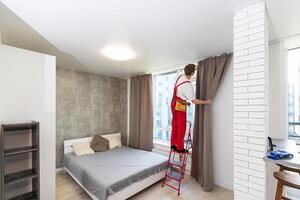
(118, 53)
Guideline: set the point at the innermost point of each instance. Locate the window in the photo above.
(163, 85)
(294, 93)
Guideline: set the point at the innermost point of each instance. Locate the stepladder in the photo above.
(176, 166)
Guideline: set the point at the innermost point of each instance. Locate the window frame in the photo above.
(178, 71)
(293, 122)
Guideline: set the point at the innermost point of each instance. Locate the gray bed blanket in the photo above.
(106, 173)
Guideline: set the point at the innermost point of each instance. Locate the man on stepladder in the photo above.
(183, 95)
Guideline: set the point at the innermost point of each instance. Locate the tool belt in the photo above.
(181, 105)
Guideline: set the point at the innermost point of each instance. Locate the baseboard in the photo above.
(60, 170)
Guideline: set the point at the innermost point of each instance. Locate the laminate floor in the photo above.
(67, 189)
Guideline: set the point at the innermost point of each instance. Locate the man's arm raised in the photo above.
(199, 102)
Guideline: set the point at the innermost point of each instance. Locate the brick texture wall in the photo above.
(250, 102)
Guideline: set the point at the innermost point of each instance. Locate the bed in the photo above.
(114, 174)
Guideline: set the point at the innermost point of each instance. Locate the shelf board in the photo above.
(26, 196)
(19, 126)
(20, 176)
(20, 150)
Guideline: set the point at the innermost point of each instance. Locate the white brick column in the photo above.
(250, 100)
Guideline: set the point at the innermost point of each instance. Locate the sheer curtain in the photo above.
(141, 113)
(209, 75)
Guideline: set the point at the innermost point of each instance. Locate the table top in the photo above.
(289, 146)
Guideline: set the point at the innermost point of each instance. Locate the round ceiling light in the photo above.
(118, 53)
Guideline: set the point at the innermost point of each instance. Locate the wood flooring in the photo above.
(67, 189)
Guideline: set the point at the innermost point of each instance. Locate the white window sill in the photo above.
(161, 147)
(161, 142)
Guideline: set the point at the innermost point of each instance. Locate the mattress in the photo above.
(106, 173)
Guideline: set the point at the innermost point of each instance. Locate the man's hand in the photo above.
(199, 102)
(208, 101)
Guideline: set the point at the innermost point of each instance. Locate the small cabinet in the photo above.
(20, 174)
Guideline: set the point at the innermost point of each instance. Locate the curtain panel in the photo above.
(141, 113)
(209, 75)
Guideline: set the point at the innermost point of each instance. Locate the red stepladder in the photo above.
(189, 142)
(176, 166)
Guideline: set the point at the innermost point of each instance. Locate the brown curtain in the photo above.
(141, 113)
(209, 75)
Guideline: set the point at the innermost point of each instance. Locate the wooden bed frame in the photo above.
(123, 194)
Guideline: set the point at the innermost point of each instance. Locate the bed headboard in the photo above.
(68, 143)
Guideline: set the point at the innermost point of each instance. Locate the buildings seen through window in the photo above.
(163, 85)
(294, 93)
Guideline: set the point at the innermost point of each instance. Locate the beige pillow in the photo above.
(114, 140)
(82, 149)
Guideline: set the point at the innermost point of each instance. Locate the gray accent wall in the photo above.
(88, 104)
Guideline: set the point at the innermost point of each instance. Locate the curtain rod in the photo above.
(168, 69)
(177, 66)
(293, 48)
(180, 66)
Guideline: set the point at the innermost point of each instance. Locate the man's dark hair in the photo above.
(189, 69)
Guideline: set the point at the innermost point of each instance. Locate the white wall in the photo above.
(222, 133)
(0, 34)
(27, 85)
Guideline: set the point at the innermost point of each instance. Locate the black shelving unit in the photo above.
(32, 174)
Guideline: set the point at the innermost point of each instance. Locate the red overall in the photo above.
(178, 120)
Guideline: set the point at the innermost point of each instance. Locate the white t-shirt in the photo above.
(186, 90)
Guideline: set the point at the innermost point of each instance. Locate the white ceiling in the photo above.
(284, 18)
(162, 33)
(15, 32)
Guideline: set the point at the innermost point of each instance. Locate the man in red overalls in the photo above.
(183, 94)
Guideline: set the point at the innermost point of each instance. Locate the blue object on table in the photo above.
(279, 154)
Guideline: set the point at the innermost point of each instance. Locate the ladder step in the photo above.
(177, 163)
(175, 169)
(176, 176)
(174, 187)
(187, 141)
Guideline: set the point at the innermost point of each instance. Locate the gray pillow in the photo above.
(99, 143)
